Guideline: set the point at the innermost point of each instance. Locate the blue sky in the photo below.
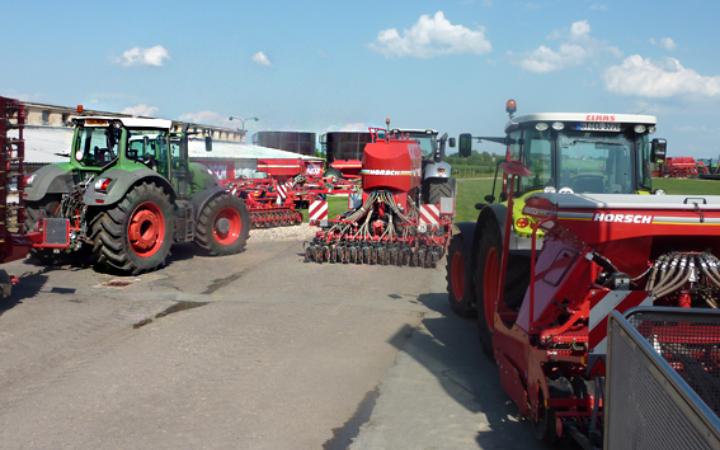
(337, 64)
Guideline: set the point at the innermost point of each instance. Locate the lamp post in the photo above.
(243, 120)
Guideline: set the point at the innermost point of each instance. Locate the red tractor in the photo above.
(543, 296)
(395, 222)
(14, 244)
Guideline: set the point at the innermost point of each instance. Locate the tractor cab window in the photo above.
(597, 163)
(428, 143)
(96, 146)
(536, 156)
(149, 147)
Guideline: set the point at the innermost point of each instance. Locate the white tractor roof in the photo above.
(133, 122)
(416, 130)
(583, 117)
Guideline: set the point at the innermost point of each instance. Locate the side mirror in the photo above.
(465, 145)
(451, 142)
(658, 150)
(208, 143)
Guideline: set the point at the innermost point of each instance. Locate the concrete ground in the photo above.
(257, 350)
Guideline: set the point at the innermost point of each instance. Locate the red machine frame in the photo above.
(559, 331)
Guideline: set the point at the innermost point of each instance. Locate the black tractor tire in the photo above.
(461, 295)
(146, 208)
(437, 188)
(34, 213)
(489, 241)
(223, 226)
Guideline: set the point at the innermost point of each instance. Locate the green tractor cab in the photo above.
(126, 195)
(564, 153)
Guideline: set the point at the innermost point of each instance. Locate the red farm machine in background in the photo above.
(13, 243)
(682, 167)
(290, 184)
(393, 224)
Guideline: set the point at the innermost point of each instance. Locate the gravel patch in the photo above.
(292, 233)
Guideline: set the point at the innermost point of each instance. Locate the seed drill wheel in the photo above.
(135, 235)
(460, 289)
(487, 274)
(223, 225)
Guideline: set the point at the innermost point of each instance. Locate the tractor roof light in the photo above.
(79, 109)
(640, 129)
(651, 129)
(511, 107)
(541, 126)
(558, 126)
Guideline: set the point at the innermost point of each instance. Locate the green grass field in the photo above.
(472, 191)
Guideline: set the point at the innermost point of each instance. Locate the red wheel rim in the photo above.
(457, 275)
(490, 285)
(227, 226)
(146, 229)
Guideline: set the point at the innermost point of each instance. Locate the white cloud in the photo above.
(431, 36)
(354, 126)
(643, 77)
(261, 59)
(209, 118)
(141, 109)
(580, 28)
(576, 48)
(666, 43)
(137, 56)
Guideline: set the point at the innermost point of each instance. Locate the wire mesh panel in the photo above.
(663, 380)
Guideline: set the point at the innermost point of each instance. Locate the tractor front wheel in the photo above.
(459, 283)
(487, 281)
(223, 226)
(134, 235)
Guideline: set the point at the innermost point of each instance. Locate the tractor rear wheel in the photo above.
(223, 225)
(459, 282)
(487, 274)
(34, 213)
(437, 188)
(136, 234)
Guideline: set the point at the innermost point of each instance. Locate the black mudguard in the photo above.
(52, 179)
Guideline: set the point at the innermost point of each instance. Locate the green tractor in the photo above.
(126, 195)
(565, 153)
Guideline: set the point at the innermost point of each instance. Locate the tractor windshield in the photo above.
(96, 146)
(594, 163)
(428, 142)
(584, 161)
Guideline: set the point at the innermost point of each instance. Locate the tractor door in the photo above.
(180, 175)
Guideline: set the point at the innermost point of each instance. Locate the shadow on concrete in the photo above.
(450, 350)
(29, 284)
